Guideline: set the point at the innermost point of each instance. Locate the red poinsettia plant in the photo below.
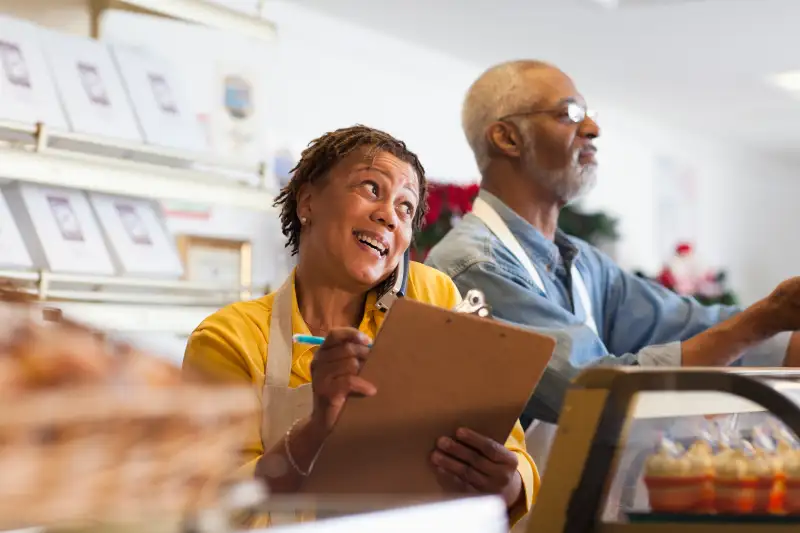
(446, 205)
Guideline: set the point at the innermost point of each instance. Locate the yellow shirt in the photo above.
(231, 346)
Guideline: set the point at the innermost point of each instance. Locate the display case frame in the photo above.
(592, 429)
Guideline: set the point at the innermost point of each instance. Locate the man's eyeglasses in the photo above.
(572, 111)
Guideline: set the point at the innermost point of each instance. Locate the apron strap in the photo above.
(499, 228)
(583, 296)
(276, 398)
(485, 212)
(279, 348)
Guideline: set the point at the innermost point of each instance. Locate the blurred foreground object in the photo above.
(92, 430)
(477, 514)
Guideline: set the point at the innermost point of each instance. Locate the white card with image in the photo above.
(159, 99)
(91, 89)
(66, 229)
(137, 236)
(27, 93)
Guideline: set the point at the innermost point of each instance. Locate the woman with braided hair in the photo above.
(349, 212)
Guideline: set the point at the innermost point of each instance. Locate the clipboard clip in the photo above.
(474, 303)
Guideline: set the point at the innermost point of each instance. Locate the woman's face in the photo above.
(359, 218)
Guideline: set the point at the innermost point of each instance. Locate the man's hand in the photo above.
(792, 359)
(784, 306)
(470, 462)
(725, 342)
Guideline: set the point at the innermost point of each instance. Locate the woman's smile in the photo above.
(372, 243)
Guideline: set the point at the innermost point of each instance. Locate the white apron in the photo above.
(539, 436)
(282, 405)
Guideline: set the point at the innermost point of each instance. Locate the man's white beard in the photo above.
(567, 184)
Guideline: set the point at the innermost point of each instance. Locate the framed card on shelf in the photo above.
(159, 99)
(237, 118)
(13, 253)
(27, 92)
(135, 234)
(60, 229)
(91, 90)
(216, 261)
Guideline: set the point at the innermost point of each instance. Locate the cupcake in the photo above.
(701, 447)
(679, 483)
(701, 457)
(744, 481)
(768, 470)
(791, 472)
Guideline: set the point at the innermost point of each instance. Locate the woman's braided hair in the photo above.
(323, 153)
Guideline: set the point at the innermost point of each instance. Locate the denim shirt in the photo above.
(639, 322)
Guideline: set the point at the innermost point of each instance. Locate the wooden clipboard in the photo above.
(435, 370)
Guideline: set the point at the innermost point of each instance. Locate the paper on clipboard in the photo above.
(435, 370)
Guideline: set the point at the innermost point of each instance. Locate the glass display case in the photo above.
(616, 419)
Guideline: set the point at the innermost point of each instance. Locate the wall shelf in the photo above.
(197, 11)
(128, 304)
(47, 286)
(142, 319)
(38, 155)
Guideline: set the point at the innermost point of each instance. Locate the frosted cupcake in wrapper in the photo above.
(791, 471)
(679, 482)
(768, 470)
(734, 482)
(747, 479)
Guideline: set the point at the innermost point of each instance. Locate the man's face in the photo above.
(557, 150)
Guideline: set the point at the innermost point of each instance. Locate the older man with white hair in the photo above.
(533, 139)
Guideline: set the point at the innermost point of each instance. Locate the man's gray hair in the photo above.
(499, 91)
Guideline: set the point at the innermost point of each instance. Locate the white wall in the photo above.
(336, 74)
(761, 224)
(746, 202)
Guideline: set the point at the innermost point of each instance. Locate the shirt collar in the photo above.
(528, 236)
(299, 326)
(302, 353)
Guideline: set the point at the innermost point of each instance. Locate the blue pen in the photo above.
(310, 339)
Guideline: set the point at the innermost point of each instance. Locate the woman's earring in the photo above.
(303, 220)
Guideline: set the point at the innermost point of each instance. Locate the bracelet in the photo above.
(289, 455)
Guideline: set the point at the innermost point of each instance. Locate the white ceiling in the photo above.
(696, 64)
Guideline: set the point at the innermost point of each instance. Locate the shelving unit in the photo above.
(59, 158)
(40, 155)
(129, 304)
(43, 155)
(196, 11)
